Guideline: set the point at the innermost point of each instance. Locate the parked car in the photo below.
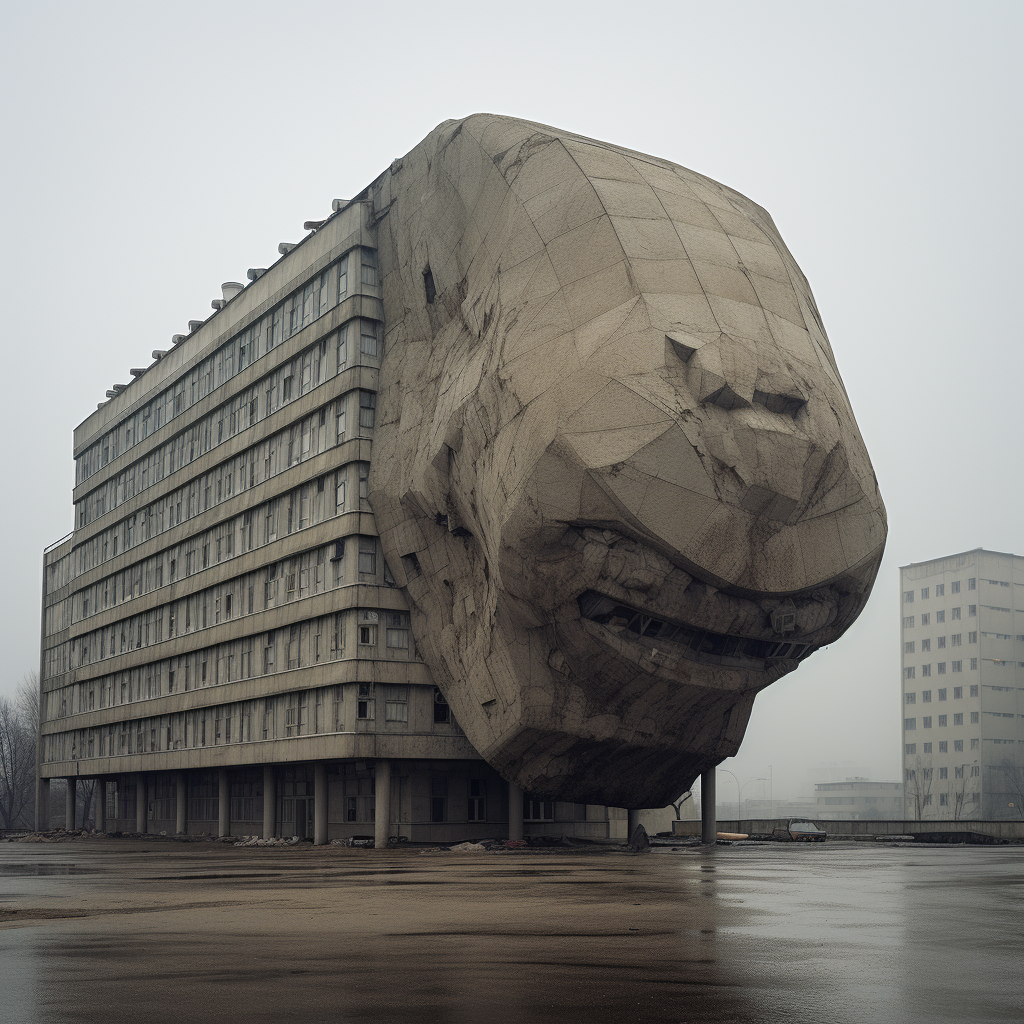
(799, 830)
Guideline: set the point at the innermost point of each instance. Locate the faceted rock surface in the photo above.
(615, 468)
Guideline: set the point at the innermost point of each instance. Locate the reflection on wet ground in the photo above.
(117, 930)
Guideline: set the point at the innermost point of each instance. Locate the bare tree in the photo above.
(17, 765)
(917, 788)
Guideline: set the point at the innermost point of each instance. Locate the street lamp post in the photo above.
(739, 811)
(737, 781)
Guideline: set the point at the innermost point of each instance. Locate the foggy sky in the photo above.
(154, 152)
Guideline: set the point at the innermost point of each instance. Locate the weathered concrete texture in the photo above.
(615, 467)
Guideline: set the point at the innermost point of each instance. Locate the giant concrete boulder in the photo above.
(615, 468)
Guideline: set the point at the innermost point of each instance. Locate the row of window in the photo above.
(300, 576)
(298, 310)
(282, 716)
(958, 719)
(940, 590)
(315, 434)
(299, 645)
(928, 773)
(926, 695)
(955, 640)
(309, 504)
(307, 371)
(940, 616)
(910, 672)
(958, 746)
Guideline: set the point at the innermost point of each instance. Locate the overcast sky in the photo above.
(154, 151)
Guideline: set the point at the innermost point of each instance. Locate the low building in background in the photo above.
(962, 686)
(859, 800)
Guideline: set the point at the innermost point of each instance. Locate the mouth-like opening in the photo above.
(702, 645)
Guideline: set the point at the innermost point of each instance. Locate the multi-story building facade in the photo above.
(859, 800)
(962, 668)
(223, 646)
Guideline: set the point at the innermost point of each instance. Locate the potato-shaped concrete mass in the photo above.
(615, 467)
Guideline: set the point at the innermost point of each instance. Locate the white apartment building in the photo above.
(962, 669)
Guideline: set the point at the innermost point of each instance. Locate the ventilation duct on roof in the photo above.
(194, 325)
(229, 289)
(255, 273)
(177, 339)
(313, 225)
(136, 372)
(159, 353)
(286, 247)
(219, 303)
(340, 204)
(118, 388)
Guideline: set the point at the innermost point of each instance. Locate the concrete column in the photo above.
(320, 805)
(181, 803)
(269, 802)
(632, 820)
(708, 809)
(223, 803)
(382, 804)
(515, 811)
(141, 803)
(99, 804)
(42, 804)
(71, 801)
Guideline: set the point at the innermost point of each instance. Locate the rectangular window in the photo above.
(941, 669)
(972, 610)
(956, 666)
(942, 721)
(943, 772)
(364, 709)
(398, 639)
(438, 798)
(958, 746)
(396, 711)
(926, 670)
(974, 664)
(909, 724)
(941, 643)
(926, 645)
(926, 618)
(910, 698)
(954, 587)
(368, 339)
(958, 719)
(477, 810)
(908, 647)
(924, 593)
(940, 616)
(367, 555)
(367, 409)
(954, 640)
(974, 690)
(954, 613)
(943, 748)
(368, 636)
(942, 694)
(908, 621)
(974, 718)
(442, 713)
(908, 673)
(940, 590)
(926, 722)
(972, 584)
(908, 597)
(972, 637)
(927, 748)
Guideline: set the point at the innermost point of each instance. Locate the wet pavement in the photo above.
(118, 930)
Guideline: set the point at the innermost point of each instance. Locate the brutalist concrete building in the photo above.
(224, 648)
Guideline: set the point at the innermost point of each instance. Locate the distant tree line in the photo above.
(19, 727)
